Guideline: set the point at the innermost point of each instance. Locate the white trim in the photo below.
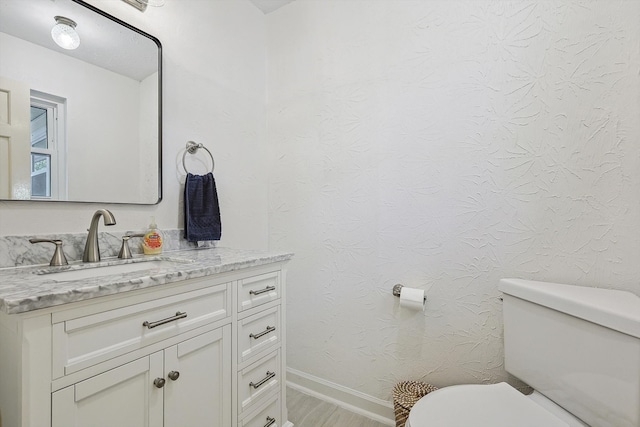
(349, 399)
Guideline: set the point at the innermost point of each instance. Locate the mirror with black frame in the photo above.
(80, 105)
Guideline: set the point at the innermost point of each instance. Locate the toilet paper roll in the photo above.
(412, 298)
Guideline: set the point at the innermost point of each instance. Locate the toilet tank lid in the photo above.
(614, 309)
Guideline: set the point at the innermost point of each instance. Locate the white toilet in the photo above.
(578, 347)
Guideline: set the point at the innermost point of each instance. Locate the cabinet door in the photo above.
(124, 396)
(198, 389)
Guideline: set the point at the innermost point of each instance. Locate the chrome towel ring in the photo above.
(192, 148)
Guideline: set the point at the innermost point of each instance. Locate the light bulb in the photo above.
(64, 33)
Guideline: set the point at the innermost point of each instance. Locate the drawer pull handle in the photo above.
(262, 291)
(151, 325)
(270, 422)
(264, 380)
(263, 333)
(159, 382)
(174, 375)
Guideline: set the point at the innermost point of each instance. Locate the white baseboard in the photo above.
(352, 400)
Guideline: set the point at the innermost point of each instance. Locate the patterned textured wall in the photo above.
(445, 145)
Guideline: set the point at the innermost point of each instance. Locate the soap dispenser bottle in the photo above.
(152, 242)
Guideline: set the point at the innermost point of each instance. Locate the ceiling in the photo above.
(32, 20)
(268, 6)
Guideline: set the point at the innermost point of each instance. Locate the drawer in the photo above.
(85, 341)
(259, 332)
(267, 416)
(257, 290)
(258, 381)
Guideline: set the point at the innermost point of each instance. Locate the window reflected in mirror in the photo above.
(48, 175)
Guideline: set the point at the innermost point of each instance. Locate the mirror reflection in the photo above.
(79, 105)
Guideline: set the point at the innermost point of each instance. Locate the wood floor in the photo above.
(308, 411)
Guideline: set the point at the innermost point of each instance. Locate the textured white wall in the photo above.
(214, 58)
(445, 145)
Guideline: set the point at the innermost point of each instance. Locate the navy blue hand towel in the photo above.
(201, 210)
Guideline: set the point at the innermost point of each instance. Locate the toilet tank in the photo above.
(578, 346)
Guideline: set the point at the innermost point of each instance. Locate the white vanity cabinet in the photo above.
(205, 351)
(184, 385)
(259, 357)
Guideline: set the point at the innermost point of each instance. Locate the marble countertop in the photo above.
(24, 289)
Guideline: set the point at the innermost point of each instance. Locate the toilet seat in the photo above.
(496, 405)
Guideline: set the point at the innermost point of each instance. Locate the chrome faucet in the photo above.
(91, 249)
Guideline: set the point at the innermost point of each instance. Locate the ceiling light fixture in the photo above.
(141, 5)
(64, 33)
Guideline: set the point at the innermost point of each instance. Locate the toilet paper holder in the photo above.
(398, 288)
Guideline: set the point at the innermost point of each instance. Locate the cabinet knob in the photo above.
(159, 382)
(174, 375)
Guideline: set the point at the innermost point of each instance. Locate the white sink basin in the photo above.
(148, 267)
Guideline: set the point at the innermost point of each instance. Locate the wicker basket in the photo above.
(405, 395)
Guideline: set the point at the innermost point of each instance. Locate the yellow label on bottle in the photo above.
(153, 240)
(152, 243)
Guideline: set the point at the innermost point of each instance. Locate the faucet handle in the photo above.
(58, 258)
(125, 252)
